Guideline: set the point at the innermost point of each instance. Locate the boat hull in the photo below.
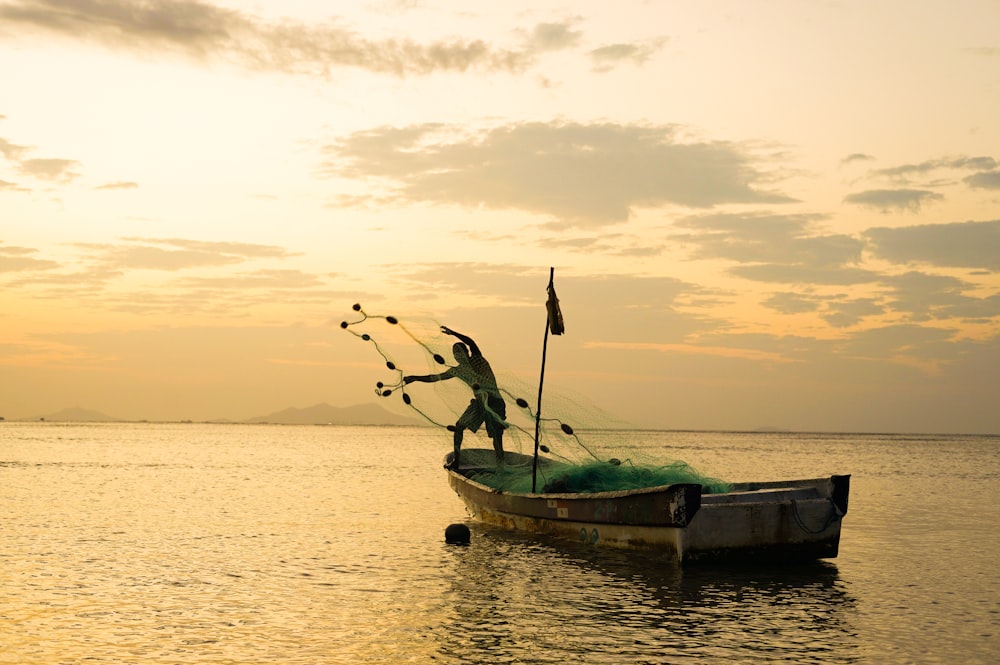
(778, 521)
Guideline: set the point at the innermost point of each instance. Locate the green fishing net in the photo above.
(583, 449)
(597, 476)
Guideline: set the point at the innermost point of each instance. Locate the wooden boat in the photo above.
(770, 521)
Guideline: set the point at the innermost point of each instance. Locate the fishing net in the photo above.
(581, 448)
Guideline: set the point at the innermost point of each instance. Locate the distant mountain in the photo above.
(324, 414)
(77, 415)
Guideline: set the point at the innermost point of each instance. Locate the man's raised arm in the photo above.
(465, 338)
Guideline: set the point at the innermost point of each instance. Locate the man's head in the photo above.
(461, 352)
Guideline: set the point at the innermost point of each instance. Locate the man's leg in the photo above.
(458, 445)
(498, 446)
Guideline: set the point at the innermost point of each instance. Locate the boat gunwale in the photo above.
(740, 488)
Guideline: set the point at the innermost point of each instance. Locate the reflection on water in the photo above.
(570, 602)
(252, 544)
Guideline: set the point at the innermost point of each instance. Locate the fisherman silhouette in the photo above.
(486, 405)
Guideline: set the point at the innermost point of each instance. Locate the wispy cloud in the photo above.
(173, 254)
(889, 200)
(205, 31)
(266, 279)
(49, 169)
(904, 173)
(857, 157)
(574, 174)
(12, 151)
(694, 349)
(553, 37)
(606, 58)
(912, 186)
(118, 185)
(12, 186)
(52, 169)
(16, 259)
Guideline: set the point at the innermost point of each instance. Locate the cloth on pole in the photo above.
(556, 326)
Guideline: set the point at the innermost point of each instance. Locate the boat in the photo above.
(689, 519)
(772, 521)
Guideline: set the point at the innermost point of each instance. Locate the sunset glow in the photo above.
(761, 214)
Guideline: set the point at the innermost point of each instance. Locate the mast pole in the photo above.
(541, 382)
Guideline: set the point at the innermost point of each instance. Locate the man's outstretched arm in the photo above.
(428, 378)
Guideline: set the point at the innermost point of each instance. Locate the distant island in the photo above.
(325, 414)
(76, 415)
(318, 414)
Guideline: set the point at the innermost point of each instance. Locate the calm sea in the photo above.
(147, 543)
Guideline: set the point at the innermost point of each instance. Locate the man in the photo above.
(486, 406)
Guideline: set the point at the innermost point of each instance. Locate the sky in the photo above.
(760, 213)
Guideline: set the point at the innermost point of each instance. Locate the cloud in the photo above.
(768, 238)
(18, 259)
(694, 349)
(262, 279)
(844, 313)
(575, 174)
(804, 274)
(12, 186)
(791, 303)
(927, 349)
(247, 250)
(118, 185)
(776, 248)
(227, 294)
(607, 57)
(857, 157)
(983, 180)
(601, 242)
(914, 183)
(48, 169)
(926, 297)
(55, 170)
(201, 30)
(553, 37)
(194, 277)
(837, 311)
(962, 245)
(888, 200)
(173, 254)
(12, 151)
(904, 172)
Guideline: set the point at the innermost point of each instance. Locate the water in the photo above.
(149, 543)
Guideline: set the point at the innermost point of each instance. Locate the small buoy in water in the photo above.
(457, 534)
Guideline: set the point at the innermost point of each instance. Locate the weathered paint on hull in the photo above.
(666, 539)
(758, 521)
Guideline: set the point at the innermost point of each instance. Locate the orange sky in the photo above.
(760, 213)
